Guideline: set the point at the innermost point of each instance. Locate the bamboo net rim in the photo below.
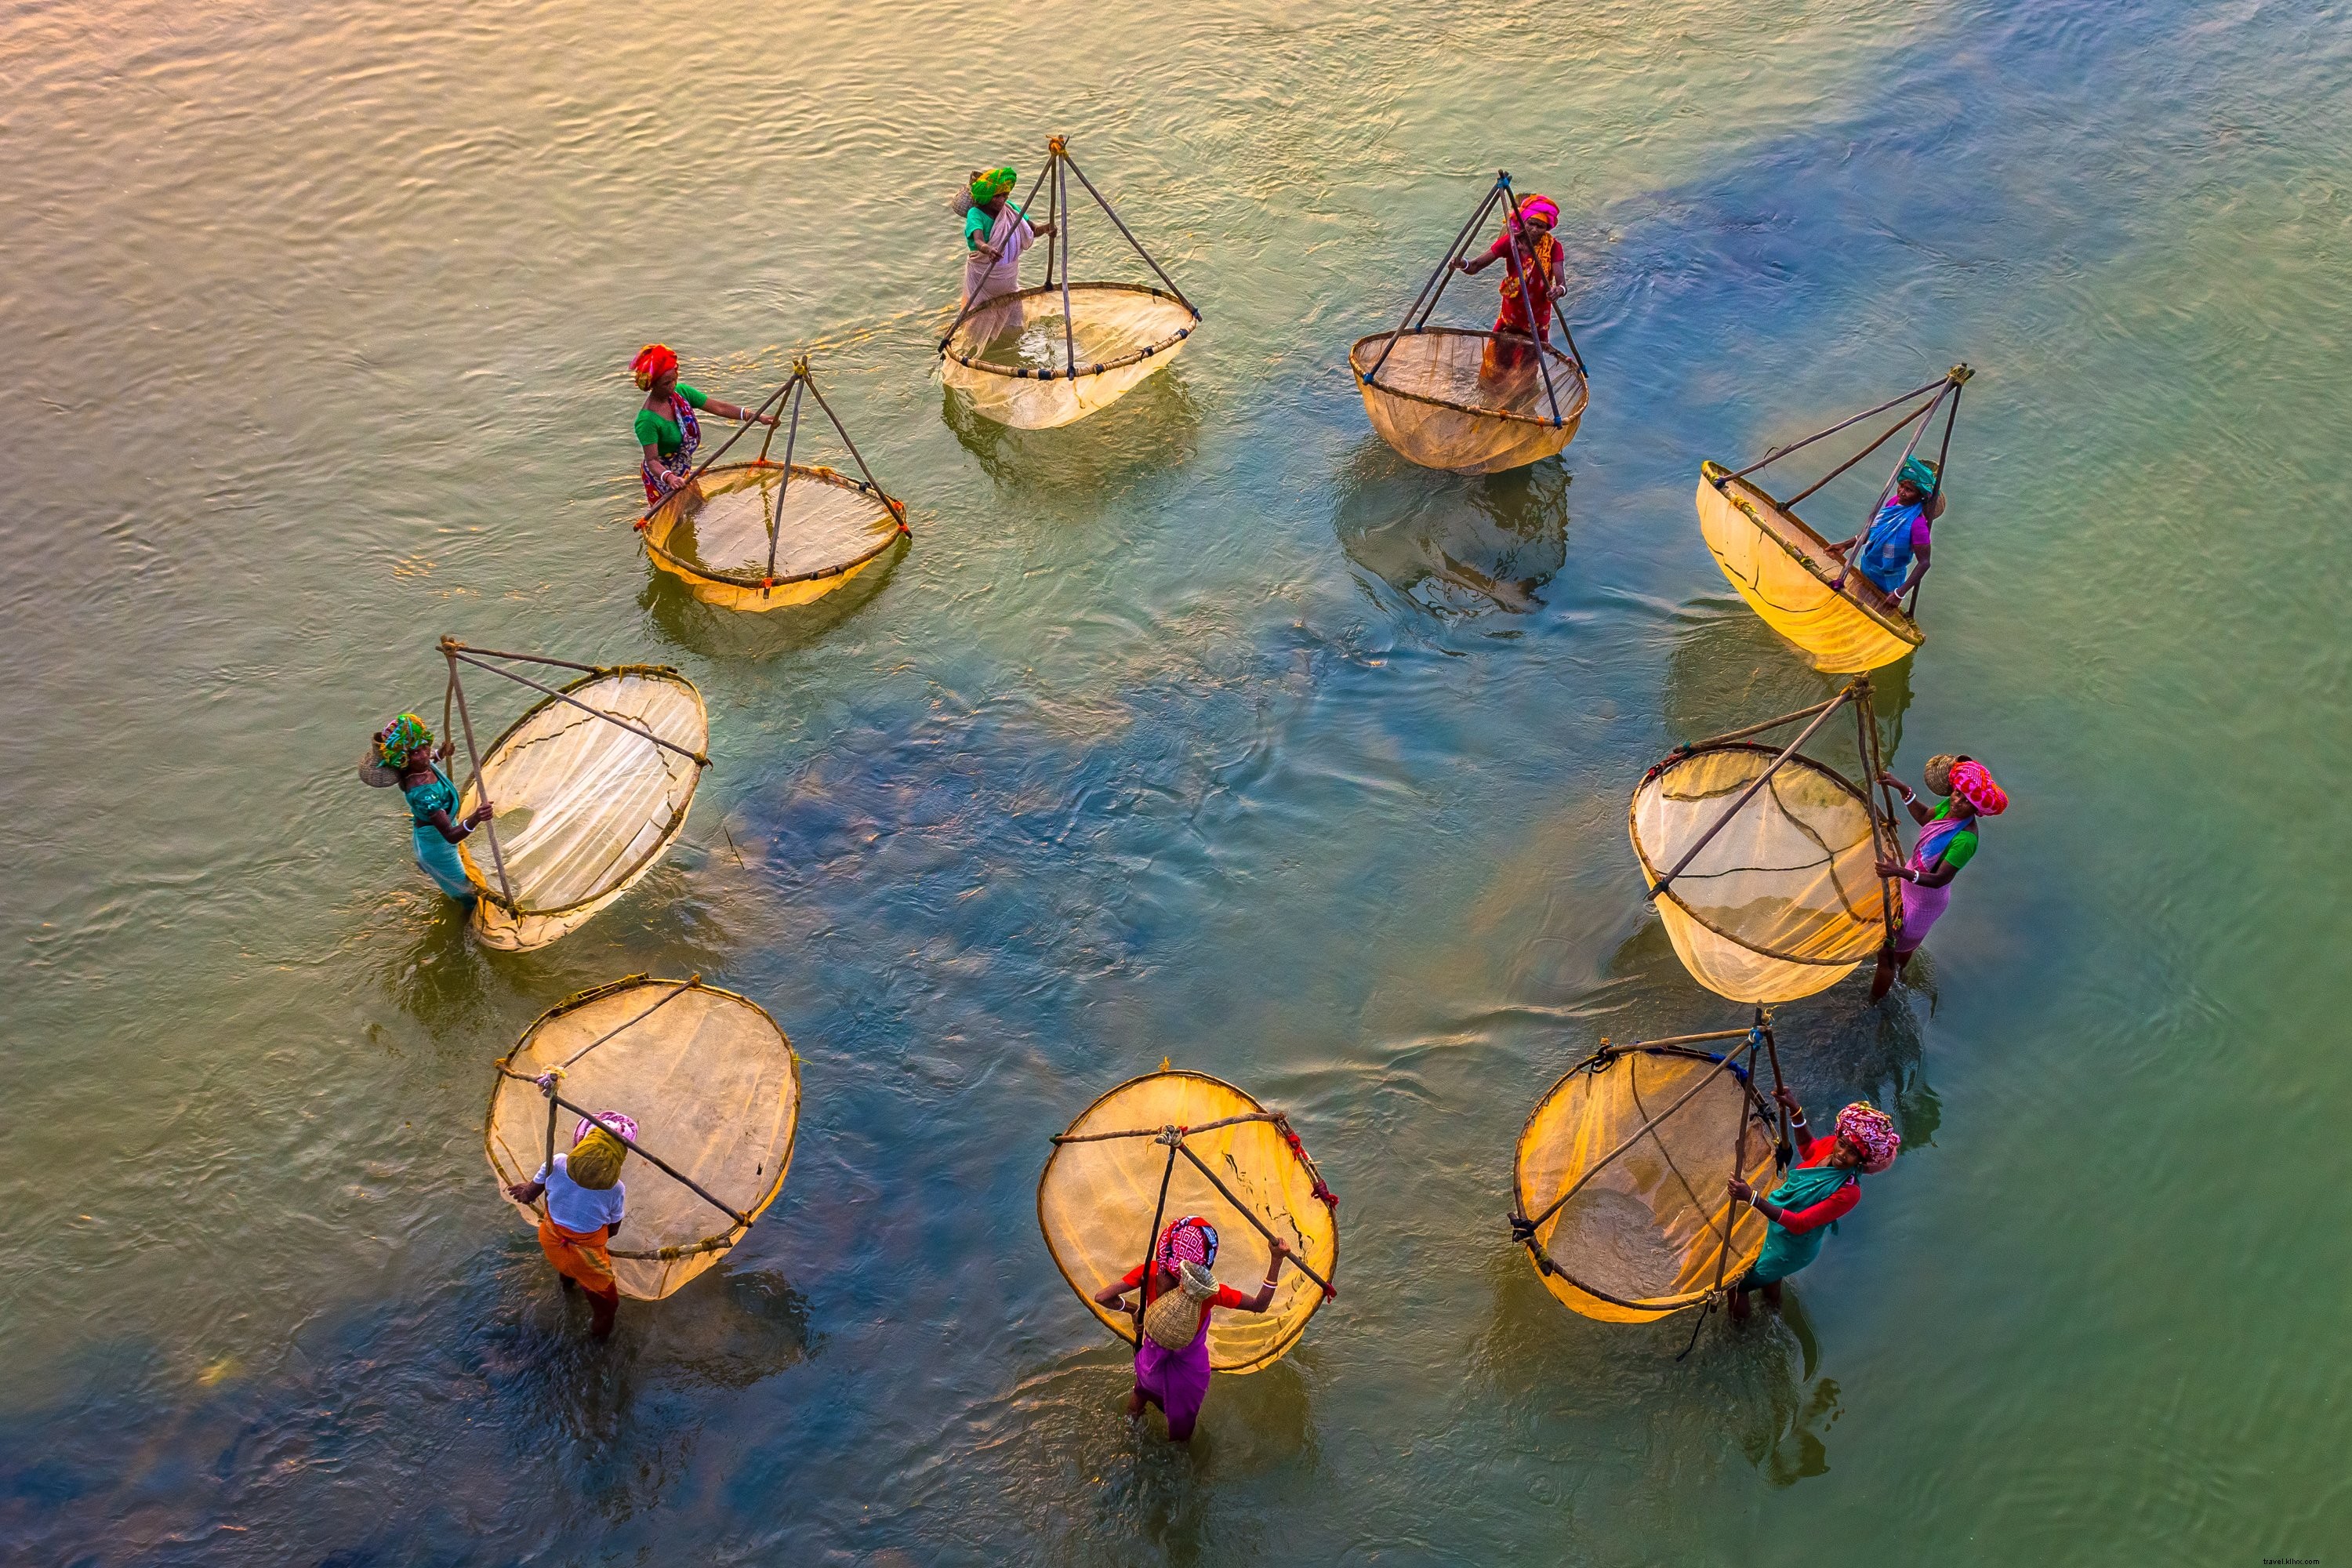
(1581, 397)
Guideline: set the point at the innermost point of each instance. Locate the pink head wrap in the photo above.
(1191, 1240)
(1533, 208)
(627, 1125)
(1972, 783)
(1872, 1131)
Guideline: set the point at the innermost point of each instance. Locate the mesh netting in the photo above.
(1783, 569)
(1642, 1235)
(1440, 404)
(1786, 900)
(1009, 357)
(584, 806)
(832, 528)
(715, 1090)
(1097, 1199)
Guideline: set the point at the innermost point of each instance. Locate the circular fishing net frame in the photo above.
(1432, 400)
(832, 528)
(584, 806)
(714, 1087)
(1013, 359)
(1102, 1187)
(1786, 900)
(1647, 1227)
(1786, 572)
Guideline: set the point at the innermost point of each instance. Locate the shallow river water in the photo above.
(1205, 728)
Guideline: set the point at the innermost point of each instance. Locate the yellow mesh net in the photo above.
(1639, 1141)
(714, 1087)
(1786, 900)
(584, 806)
(1012, 360)
(832, 528)
(1783, 569)
(1439, 403)
(1099, 1194)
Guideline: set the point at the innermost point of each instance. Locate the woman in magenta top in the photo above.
(1822, 1185)
(1176, 1379)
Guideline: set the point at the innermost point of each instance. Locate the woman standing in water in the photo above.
(1947, 841)
(667, 430)
(1892, 553)
(1531, 256)
(405, 747)
(1172, 1346)
(1824, 1183)
(585, 1205)
(996, 235)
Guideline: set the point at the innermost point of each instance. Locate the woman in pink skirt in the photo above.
(1947, 841)
(1171, 1344)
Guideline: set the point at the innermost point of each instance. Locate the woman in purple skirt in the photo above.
(1171, 1345)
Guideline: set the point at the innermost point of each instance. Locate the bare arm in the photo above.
(1265, 1297)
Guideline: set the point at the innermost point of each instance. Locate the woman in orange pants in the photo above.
(585, 1205)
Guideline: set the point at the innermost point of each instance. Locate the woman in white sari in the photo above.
(996, 235)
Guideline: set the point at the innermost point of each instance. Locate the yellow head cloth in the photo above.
(595, 1160)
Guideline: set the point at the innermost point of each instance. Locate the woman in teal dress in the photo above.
(405, 747)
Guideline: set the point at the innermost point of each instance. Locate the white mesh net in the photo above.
(1448, 397)
(1012, 357)
(1786, 900)
(584, 806)
(715, 1090)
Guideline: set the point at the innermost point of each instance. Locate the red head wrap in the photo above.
(1972, 783)
(652, 363)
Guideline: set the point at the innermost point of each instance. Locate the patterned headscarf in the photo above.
(993, 183)
(627, 1125)
(1872, 1131)
(1919, 471)
(1973, 783)
(1191, 1240)
(403, 738)
(653, 362)
(1542, 209)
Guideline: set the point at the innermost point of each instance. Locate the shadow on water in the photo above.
(717, 633)
(1157, 425)
(1454, 546)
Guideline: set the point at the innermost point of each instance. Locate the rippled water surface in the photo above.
(1205, 728)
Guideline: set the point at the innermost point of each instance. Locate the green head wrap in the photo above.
(1920, 472)
(994, 184)
(401, 739)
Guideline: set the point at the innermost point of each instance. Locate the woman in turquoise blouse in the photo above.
(405, 746)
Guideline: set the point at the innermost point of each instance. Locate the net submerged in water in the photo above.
(1786, 572)
(714, 1087)
(585, 806)
(1012, 359)
(1434, 400)
(1622, 1169)
(1785, 899)
(724, 537)
(1115, 1178)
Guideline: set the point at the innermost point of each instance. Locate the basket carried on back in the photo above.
(1433, 393)
(1618, 1188)
(1054, 354)
(589, 789)
(757, 535)
(714, 1087)
(1763, 863)
(1788, 573)
(1175, 1144)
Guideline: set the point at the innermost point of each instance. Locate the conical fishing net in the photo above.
(1784, 570)
(714, 1087)
(585, 806)
(1786, 899)
(832, 528)
(1640, 1140)
(1432, 400)
(1099, 1197)
(1012, 359)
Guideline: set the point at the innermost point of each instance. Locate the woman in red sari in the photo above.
(1524, 244)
